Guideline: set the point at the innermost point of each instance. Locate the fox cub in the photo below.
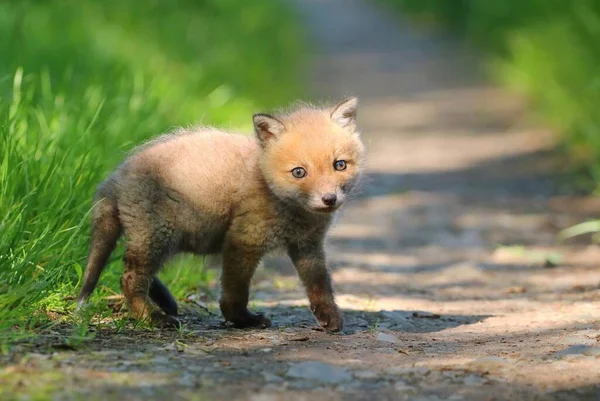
(206, 191)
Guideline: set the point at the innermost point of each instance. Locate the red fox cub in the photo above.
(207, 191)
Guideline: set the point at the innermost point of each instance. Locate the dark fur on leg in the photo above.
(312, 269)
(160, 294)
(238, 268)
(135, 284)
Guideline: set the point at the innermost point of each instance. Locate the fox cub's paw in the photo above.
(329, 316)
(159, 319)
(251, 320)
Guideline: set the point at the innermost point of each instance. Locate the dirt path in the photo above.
(446, 265)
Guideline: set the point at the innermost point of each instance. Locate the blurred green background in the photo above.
(546, 49)
(83, 81)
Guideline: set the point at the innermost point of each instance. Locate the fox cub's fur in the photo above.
(207, 191)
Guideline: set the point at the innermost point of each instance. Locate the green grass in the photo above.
(81, 82)
(546, 49)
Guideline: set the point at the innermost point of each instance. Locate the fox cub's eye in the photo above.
(340, 165)
(298, 172)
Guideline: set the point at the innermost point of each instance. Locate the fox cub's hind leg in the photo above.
(238, 268)
(136, 284)
(161, 296)
(309, 261)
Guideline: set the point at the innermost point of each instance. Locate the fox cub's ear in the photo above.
(345, 113)
(267, 127)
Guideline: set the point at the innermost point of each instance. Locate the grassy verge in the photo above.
(83, 81)
(547, 49)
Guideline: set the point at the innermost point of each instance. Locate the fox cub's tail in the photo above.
(106, 230)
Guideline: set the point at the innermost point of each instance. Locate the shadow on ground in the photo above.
(531, 175)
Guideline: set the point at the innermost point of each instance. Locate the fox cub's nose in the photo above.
(329, 199)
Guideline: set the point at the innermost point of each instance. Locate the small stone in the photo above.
(303, 385)
(388, 338)
(266, 350)
(274, 340)
(474, 380)
(242, 372)
(360, 322)
(402, 386)
(577, 351)
(160, 360)
(299, 338)
(271, 378)
(515, 290)
(366, 375)
(188, 380)
(425, 315)
(395, 316)
(264, 397)
(318, 371)
(487, 364)
(408, 370)
(452, 374)
(206, 382)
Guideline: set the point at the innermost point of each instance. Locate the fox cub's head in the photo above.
(311, 157)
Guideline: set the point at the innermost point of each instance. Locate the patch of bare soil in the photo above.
(446, 264)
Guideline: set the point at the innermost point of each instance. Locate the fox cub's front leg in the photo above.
(310, 263)
(239, 265)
